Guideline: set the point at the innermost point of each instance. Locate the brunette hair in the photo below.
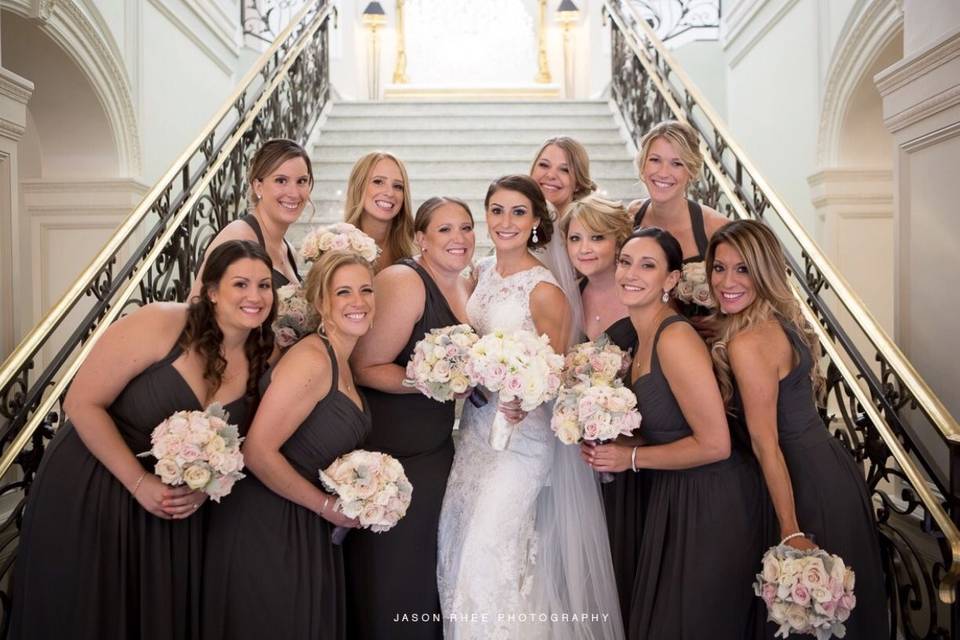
(202, 332)
(767, 267)
(271, 155)
(528, 188)
(426, 210)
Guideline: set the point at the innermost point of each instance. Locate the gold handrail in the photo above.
(56, 314)
(913, 381)
(57, 389)
(947, 585)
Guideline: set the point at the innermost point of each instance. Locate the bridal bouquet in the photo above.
(806, 592)
(371, 487)
(199, 449)
(295, 317)
(520, 366)
(341, 236)
(694, 286)
(438, 366)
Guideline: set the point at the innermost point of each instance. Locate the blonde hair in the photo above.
(316, 287)
(599, 215)
(763, 256)
(577, 160)
(268, 157)
(399, 242)
(684, 140)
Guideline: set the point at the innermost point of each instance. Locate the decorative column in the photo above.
(400, 68)
(543, 67)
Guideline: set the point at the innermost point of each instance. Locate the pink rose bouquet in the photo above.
(295, 317)
(438, 366)
(341, 236)
(371, 487)
(520, 366)
(199, 449)
(806, 592)
(694, 286)
(597, 362)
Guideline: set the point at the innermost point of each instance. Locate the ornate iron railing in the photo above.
(262, 20)
(879, 405)
(155, 252)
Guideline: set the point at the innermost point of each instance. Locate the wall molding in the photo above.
(736, 37)
(863, 38)
(923, 110)
(74, 31)
(181, 13)
(910, 68)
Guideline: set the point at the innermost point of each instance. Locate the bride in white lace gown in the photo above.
(523, 550)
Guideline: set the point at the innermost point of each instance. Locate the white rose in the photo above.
(196, 476)
(169, 471)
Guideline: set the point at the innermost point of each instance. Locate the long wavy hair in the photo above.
(202, 333)
(400, 238)
(763, 256)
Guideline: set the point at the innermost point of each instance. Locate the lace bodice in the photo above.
(504, 302)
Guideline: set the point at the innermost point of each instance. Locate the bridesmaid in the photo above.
(594, 229)
(107, 551)
(394, 574)
(562, 169)
(669, 160)
(279, 182)
(271, 569)
(700, 546)
(765, 357)
(378, 203)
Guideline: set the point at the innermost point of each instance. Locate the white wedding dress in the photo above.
(523, 550)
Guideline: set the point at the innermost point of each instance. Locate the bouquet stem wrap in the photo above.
(500, 432)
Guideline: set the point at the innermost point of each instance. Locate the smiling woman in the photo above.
(279, 184)
(162, 358)
(378, 203)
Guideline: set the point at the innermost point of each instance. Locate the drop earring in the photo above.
(665, 297)
(534, 238)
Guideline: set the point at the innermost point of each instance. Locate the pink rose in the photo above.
(769, 593)
(827, 607)
(285, 337)
(513, 385)
(800, 594)
(189, 452)
(340, 243)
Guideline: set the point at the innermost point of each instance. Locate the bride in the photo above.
(523, 550)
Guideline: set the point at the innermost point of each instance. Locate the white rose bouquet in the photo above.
(806, 592)
(597, 362)
(520, 366)
(438, 366)
(371, 487)
(694, 286)
(341, 236)
(295, 317)
(199, 449)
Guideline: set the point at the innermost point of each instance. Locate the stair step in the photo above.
(460, 187)
(484, 123)
(419, 170)
(521, 153)
(392, 108)
(462, 137)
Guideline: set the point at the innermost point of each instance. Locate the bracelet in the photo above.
(326, 501)
(633, 459)
(136, 485)
(798, 534)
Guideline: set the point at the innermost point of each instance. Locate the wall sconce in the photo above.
(373, 18)
(567, 15)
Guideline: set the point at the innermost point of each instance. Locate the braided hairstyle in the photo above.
(202, 332)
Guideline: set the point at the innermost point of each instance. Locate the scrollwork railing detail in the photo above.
(154, 254)
(878, 403)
